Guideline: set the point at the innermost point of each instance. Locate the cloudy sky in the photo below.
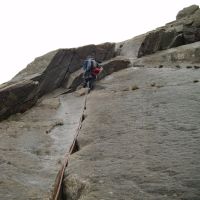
(31, 28)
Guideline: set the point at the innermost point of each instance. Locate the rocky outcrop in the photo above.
(110, 66)
(146, 116)
(130, 48)
(17, 97)
(60, 68)
(45, 74)
(183, 56)
(187, 11)
(185, 30)
(114, 65)
(58, 65)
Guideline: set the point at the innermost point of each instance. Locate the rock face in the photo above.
(181, 56)
(138, 129)
(59, 68)
(130, 48)
(110, 66)
(187, 11)
(139, 144)
(185, 30)
(46, 74)
(114, 65)
(33, 145)
(17, 97)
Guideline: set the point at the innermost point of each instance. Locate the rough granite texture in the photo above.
(33, 144)
(140, 134)
(140, 144)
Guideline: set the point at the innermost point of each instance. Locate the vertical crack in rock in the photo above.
(59, 191)
(76, 147)
(30, 159)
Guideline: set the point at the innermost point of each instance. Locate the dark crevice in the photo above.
(62, 195)
(76, 147)
(83, 117)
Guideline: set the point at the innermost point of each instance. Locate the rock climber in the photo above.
(91, 68)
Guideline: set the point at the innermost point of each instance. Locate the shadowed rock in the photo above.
(50, 72)
(17, 97)
(185, 30)
(114, 65)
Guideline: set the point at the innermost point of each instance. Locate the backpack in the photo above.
(88, 65)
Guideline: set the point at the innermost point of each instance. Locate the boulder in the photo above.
(187, 11)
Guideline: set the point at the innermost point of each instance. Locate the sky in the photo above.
(31, 28)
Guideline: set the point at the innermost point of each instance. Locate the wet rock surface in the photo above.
(139, 144)
(33, 145)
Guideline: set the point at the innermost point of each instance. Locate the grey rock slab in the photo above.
(139, 144)
(183, 56)
(33, 145)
